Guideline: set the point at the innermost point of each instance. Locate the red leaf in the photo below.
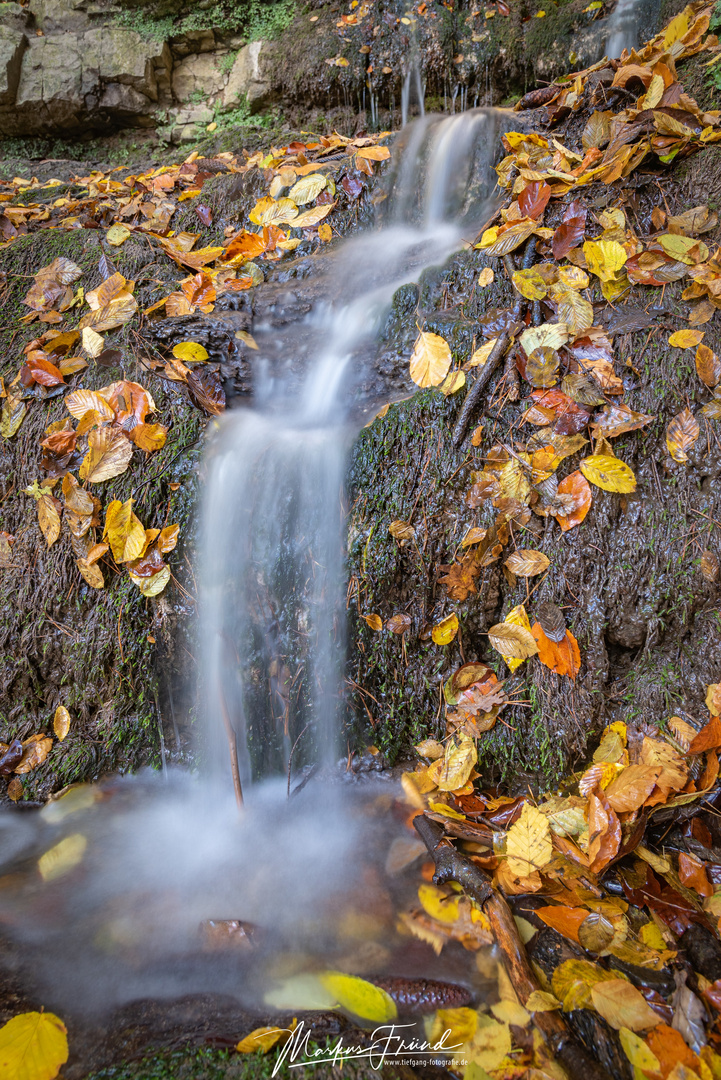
(577, 485)
(563, 657)
(692, 873)
(533, 200)
(43, 371)
(570, 232)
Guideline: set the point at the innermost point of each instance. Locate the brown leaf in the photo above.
(533, 199)
(682, 433)
(710, 565)
(708, 738)
(604, 831)
(692, 874)
(570, 233)
(35, 750)
(623, 1006)
(109, 454)
(579, 488)
(632, 787)
(708, 366)
(399, 623)
(206, 390)
(527, 563)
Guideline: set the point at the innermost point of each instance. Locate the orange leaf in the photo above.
(692, 872)
(564, 919)
(670, 1047)
(563, 657)
(708, 738)
(578, 486)
(604, 831)
(710, 773)
(632, 787)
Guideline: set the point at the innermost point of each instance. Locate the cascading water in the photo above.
(145, 860)
(623, 26)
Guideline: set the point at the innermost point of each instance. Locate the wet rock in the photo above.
(250, 77)
(12, 46)
(198, 73)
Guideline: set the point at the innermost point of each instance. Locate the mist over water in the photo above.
(145, 860)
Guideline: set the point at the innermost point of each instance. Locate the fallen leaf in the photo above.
(623, 1006)
(430, 360)
(261, 1040)
(563, 657)
(604, 833)
(123, 531)
(457, 763)
(527, 563)
(35, 751)
(681, 434)
(109, 454)
(374, 621)
(33, 1046)
(686, 339)
(528, 842)
(486, 277)
(61, 722)
(708, 366)
(190, 352)
(609, 473)
(359, 997)
(577, 487)
(444, 632)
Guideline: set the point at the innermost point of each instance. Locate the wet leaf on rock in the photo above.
(33, 1046)
(528, 842)
(430, 360)
(681, 434)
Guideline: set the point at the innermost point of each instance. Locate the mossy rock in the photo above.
(106, 655)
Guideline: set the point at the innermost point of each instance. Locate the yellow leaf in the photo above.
(481, 354)
(457, 764)
(117, 235)
(373, 153)
(445, 631)
(61, 722)
(123, 531)
(530, 283)
(608, 473)
(572, 981)
(109, 454)
(82, 401)
(511, 639)
(33, 1046)
(486, 277)
(212, 127)
(325, 233)
(63, 857)
(439, 904)
(190, 352)
(681, 434)
(528, 843)
(517, 616)
(548, 336)
(49, 519)
(117, 313)
(154, 585)
(511, 1012)
(604, 258)
(93, 343)
(461, 1023)
(542, 1001)
(149, 437)
(638, 1052)
(686, 339)
(307, 188)
(311, 217)
(269, 212)
(374, 621)
(454, 381)
(260, 1041)
(359, 997)
(622, 1005)
(92, 573)
(430, 360)
(488, 1047)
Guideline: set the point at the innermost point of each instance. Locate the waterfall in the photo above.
(147, 860)
(624, 25)
(272, 592)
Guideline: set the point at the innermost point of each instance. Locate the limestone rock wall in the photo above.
(67, 66)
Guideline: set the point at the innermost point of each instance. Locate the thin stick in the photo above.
(232, 747)
(290, 759)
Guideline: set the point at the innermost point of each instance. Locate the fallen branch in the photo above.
(494, 358)
(232, 747)
(451, 866)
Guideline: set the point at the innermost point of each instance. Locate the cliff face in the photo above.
(69, 68)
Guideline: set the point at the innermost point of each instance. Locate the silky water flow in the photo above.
(120, 890)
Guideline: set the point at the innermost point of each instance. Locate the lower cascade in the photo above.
(300, 869)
